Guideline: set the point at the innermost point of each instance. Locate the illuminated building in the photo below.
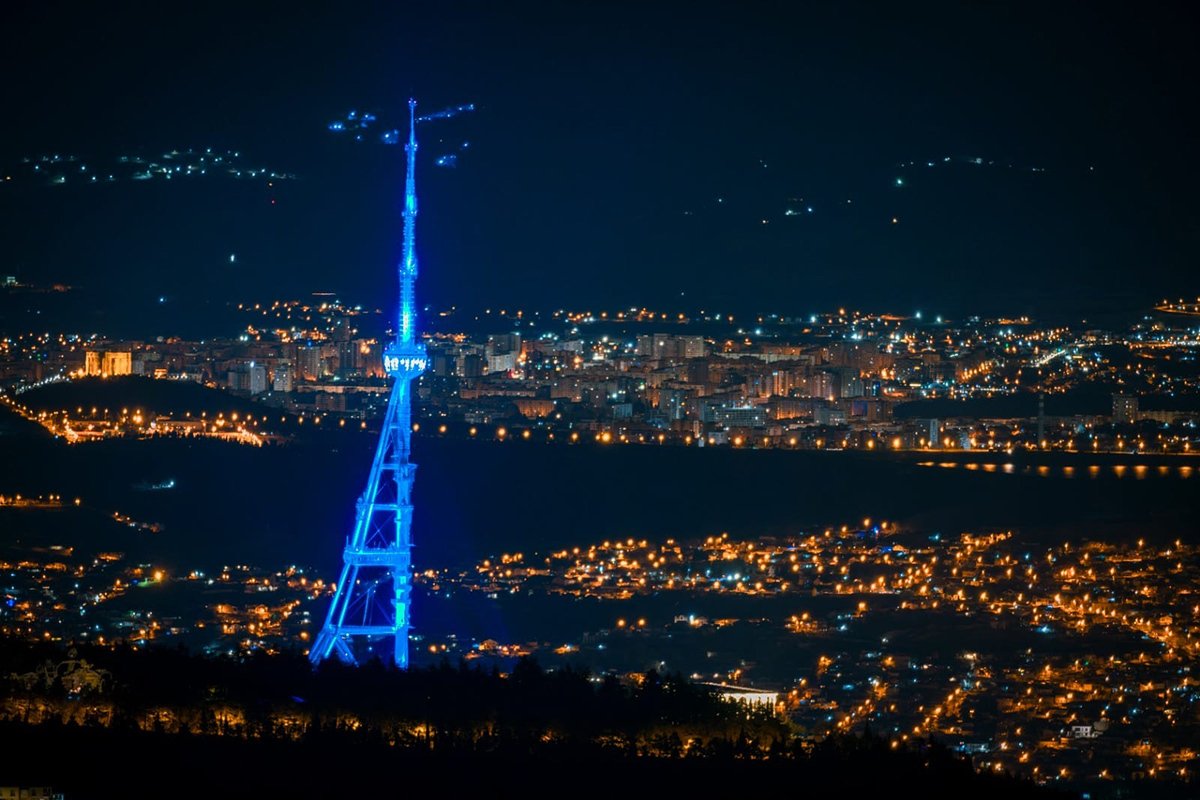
(754, 698)
(1125, 408)
(662, 345)
(249, 377)
(29, 793)
(308, 362)
(931, 431)
(108, 364)
(823, 383)
(282, 380)
(117, 363)
(740, 416)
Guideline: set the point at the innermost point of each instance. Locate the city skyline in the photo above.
(804, 394)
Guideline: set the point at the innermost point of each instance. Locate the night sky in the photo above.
(621, 154)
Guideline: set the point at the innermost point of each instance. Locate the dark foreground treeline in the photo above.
(99, 723)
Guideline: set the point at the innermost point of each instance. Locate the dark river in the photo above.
(294, 504)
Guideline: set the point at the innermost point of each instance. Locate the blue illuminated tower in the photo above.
(371, 607)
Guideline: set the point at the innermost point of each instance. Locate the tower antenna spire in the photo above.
(373, 596)
(408, 260)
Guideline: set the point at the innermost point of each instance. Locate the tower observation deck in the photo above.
(370, 613)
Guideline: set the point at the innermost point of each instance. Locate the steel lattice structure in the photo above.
(373, 598)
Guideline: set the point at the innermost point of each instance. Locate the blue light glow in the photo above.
(379, 551)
